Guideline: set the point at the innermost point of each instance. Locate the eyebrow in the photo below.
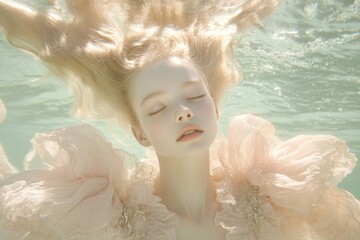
(155, 94)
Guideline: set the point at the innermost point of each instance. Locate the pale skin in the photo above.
(168, 96)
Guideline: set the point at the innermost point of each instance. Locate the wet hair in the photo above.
(97, 47)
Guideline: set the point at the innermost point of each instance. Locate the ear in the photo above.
(216, 110)
(140, 136)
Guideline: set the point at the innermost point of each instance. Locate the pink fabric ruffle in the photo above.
(279, 190)
(84, 193)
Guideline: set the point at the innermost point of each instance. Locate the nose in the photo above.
(184, 115)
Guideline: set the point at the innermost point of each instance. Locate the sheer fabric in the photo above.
(267, 189)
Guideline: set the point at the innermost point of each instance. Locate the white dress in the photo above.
(267, 189)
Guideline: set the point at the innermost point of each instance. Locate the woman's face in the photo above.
(176, 113)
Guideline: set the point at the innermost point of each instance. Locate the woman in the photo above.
(163, 66)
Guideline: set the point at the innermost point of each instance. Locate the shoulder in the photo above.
(266, 185)
(81, 171)
(84, 192)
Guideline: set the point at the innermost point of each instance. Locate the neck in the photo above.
(185, 187)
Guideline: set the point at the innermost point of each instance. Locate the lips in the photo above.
(188, 130)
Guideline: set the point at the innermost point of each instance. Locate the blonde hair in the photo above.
(98, 46)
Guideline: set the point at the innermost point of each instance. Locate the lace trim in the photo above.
(243, 208)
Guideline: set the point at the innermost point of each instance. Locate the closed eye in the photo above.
(153, 113)
(203, 95)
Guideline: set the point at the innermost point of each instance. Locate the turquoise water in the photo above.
(301, 72)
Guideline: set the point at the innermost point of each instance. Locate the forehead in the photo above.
(164, 75)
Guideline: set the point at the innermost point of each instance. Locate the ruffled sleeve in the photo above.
(78, 195)
(284, 190)
(84, 192)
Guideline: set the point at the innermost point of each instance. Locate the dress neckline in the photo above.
(148, 172)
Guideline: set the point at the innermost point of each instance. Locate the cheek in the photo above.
(157, 130)
(206, 110)
(207, 116)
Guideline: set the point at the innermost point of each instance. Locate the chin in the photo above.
(197, 147)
